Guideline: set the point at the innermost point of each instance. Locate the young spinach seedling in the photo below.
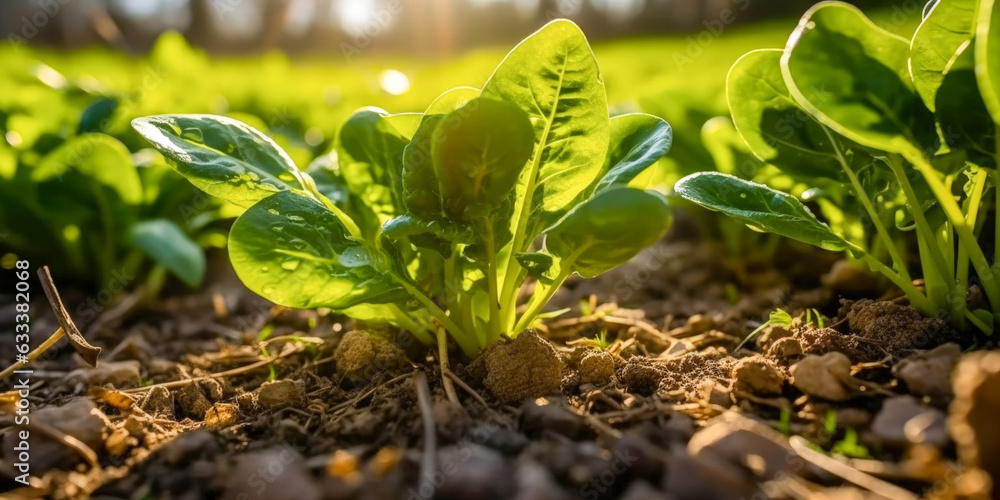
(438, 215)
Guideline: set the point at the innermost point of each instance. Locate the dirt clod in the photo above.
(758, 375)
(193, 401)
(888, 328)
(525, 367)
(362, 354)
(281, 474)
(597, 367)
(929, 373)
(823, 376)
(278, 394)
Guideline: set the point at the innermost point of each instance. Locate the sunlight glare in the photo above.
(394, 82)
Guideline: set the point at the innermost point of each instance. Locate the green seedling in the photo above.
(436, 216)
(892, 127)
(777, 317)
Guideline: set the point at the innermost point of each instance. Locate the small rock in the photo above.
(79, 418)
(549, 414)
(770, 335)
(759, 376)
(698, 478)
(535, 483)
(735, 439)
(597, 367)
(715, 393)
(281, 474)
(928, 373)
(277, 394)
(189, 447)
(362, 354)
(785, 350)
(117, 373)
(473, 471)
(823, 376)
(974, 411)
(526, 367)
(903, 420)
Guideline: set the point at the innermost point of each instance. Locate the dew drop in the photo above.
(273, 211)
(295, 218)
(263, 269)
(290, 265)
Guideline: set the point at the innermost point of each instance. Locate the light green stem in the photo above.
(964, 231)
(491, 284)
(467, 343)
(917, 299)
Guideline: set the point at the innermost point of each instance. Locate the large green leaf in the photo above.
(293, 251)
(370, 153)
(637, 141)
(607, 230)
(852, 76)
(962, 115)
(773, 125)
(221, 156)
(948, 26)
(421, 189)
(759, 207)
(987, 55)
(171, 248)
(99, 157)
(553, 77)
(479, 151)
(451, 100)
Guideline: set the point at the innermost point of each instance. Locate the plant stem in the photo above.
(538, 301)
(457, 332)
(449, 388)
(405, 321)
(924, 231)
(897, 259)
(491, 284)
(972, 204)
(965, 236)
(917, 299)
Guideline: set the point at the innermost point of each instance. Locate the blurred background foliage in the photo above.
(80, 191)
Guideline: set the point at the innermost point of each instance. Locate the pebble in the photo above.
(759, 376)
(903, 420)
(473, 471)
(549, 414)
(973, 413)
(275, 474)
(277, 394)
(928, 373)
(823, 376)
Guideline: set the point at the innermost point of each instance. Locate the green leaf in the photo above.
(170, 247)
(95, 117)
(987, 55)
(775, 127)
(479, 151)
(99, 157)
(962, 115)
(637, 141)
(945, 29)
(452, 100)
(404, 123)
(759, 207)
(294, 252)
(553, 77)
(221, 156)
(421, 189)
(325, 173)
(370, 153)
(852, 76)
(607, 230)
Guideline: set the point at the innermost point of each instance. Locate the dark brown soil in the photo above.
(183, 404)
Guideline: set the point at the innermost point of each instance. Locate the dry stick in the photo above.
(86, 351)
(44, 346)
(837, 468)
(461, 383)
(430, 439)
(449, 389)
(371, 391)
(228, 373)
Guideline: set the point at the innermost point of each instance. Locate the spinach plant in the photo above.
(893, 128)
(443, 214)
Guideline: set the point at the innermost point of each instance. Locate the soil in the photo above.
(188, 401)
